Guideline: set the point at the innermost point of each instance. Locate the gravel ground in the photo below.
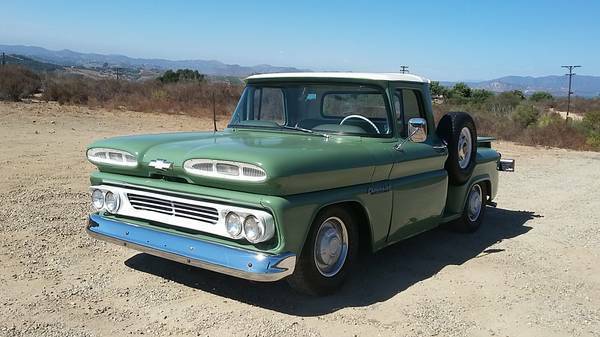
(532, 270)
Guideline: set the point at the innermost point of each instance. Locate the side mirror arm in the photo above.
(398, 147)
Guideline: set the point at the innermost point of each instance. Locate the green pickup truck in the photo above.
(312, 169)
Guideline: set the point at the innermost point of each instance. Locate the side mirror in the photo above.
(417, 130)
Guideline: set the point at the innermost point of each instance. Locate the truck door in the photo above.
(418, 179)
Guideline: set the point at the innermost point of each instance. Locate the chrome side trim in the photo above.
(216, 257)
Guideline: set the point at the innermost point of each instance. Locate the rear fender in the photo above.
(457, 195)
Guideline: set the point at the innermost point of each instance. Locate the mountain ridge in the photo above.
(557, 85)
(67, 57)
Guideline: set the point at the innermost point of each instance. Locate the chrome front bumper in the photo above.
(223, 259)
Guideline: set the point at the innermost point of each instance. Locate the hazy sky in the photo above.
(445, 40)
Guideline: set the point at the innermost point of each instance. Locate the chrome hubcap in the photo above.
(474, 202)
(331, 246)
(464, 148)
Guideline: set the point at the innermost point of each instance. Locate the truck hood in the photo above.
(294, 162)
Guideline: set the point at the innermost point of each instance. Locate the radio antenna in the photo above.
(214, 113)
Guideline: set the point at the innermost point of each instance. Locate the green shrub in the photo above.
(593, 140)
(591, 121)
(546, 119)
(526, 115)
(540, 96)
(591, 124)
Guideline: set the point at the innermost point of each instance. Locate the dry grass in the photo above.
(504, 116)
(547, 130)
(17, 82)
(194, 97)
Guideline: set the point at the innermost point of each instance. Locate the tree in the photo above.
(460, 90)
(539, 96)
(437, 90)
(481, 95)
(519, 94)
(183, 75)
(509, 99)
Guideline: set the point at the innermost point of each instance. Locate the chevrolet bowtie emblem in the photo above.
(160, 164)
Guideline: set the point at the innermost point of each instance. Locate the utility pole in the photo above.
(403, 69)
(570, 74)
(117, 73)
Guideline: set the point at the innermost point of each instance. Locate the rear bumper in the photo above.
(236, 262)
(506, 165)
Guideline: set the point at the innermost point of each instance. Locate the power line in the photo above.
(570, 74)
(403, 69)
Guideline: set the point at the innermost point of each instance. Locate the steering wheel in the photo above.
(363, 118)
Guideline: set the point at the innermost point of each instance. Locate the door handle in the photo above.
(440, 148)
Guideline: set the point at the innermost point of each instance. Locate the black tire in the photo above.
(466, 223)
(449, 130)
(307, 278)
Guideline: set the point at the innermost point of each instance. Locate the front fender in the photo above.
(295, 214)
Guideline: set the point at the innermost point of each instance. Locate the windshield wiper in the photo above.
(297, 128)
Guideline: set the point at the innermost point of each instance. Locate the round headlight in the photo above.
(112, 202)
(233, 224)
(254, 230)
(97, 199)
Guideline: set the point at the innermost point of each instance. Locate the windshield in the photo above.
(320, 108)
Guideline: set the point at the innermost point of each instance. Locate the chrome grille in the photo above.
(174, 208)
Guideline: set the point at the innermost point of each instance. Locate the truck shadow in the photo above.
(382, 275)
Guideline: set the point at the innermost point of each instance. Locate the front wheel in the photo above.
(329, 252)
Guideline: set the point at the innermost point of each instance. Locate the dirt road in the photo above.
(532, 270)
(573, 115)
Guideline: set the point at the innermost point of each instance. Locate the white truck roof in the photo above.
(344, 75)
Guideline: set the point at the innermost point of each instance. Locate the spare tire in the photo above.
(457, 129)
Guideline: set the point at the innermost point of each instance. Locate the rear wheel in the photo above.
(329, 251)
(474, 210)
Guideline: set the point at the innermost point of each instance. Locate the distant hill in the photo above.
(30, 63)
(583, 85)
(90, 60)
(100, 65)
